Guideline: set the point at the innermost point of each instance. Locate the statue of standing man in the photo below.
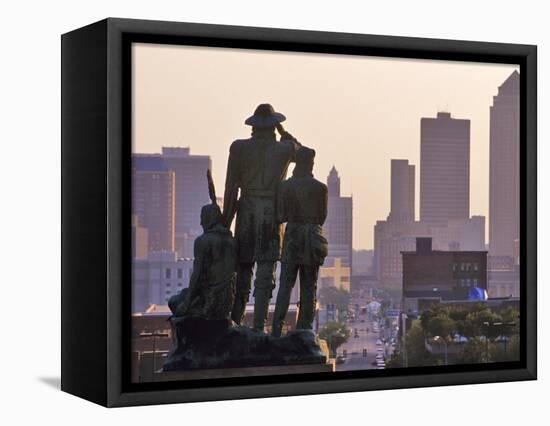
(257, 166)
(302, 203)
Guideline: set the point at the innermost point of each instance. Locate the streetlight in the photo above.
(441, 339)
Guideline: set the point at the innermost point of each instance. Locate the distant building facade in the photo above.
(362, 261)
(444, 169)
(333, 273)
(460, 234)
(338, 228)
(191, 194)
(504, 282)
(504, 169)
(140, 240)
(445, 275)
(153, 202)
(190, 191)
(157, 278)
(390, 239)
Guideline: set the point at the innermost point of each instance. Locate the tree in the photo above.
(416, 353)
(440, 325)
(335, 334)
(473, 352)
(505, 350)
(335, 296)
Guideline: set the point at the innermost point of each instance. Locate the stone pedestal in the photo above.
(220, 344)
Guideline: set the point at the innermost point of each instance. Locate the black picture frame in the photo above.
(96, 148)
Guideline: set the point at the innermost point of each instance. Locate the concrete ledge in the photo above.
(215, 373)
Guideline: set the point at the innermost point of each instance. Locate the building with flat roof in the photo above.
(402, 191)
(451, 275)
(444, 169)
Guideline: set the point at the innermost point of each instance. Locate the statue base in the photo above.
(220, 344)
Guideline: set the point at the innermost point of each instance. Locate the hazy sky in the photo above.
(356, 112)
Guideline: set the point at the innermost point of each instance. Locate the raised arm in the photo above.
(287, 138)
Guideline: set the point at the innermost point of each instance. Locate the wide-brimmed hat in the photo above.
(265, 116)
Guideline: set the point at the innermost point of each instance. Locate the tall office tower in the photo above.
(444, 169)
(504, 169)
(333, 183)
(191, 194)
(402, 191)
(398, 233)
(153, 201)
(339, 224)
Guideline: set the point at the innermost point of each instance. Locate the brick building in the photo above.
(444, 275)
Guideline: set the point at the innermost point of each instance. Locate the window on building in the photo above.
(462, 266)
(475, 282)
(180, 273)
(168, 284)
(168, 273)
(454, 267)
(476, 267)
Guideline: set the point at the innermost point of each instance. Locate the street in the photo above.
(353, 349)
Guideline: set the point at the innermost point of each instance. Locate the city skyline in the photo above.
(177, 105)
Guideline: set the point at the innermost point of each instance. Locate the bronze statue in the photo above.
(257, 166)
(212, 285)
(302, 203)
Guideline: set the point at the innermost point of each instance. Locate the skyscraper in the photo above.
(399, 231)
(504, 169)
(153, 201)
(333, 183)
(339, 224)
(444, 169)
(402, 191)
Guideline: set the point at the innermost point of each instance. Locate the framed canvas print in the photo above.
(253, 212)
